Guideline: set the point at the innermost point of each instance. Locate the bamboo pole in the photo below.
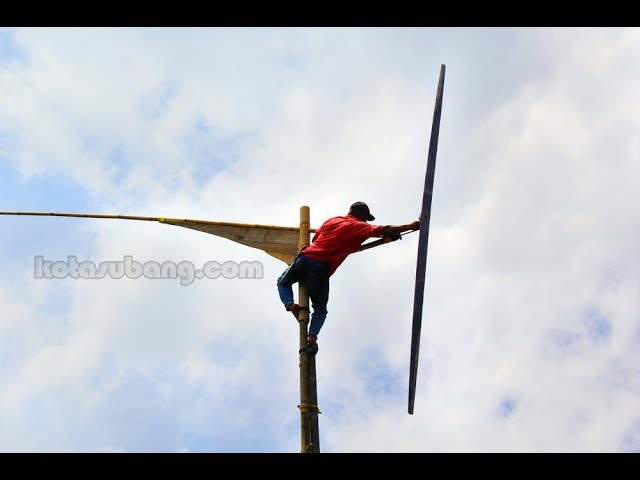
(313, 409)
(303, 319)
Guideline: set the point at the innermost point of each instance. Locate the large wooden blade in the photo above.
(423, 243)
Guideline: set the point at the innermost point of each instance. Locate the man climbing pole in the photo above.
(333, 242)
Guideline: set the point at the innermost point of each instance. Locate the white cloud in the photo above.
(530, 331)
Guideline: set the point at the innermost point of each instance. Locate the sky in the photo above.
(531, 323)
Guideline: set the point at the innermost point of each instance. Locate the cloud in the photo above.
(530, 328)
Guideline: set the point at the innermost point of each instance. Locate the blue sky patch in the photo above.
(380, 377)
(563, 339)
(597, 324)
(631, 440)
(39, 193)
(9, 51)
(507, 407)
(210, 152)
(154, 106)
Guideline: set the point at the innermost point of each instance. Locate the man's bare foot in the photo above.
(312, 340)
(295, 309)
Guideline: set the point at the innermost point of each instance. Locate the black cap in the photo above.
(364, 208)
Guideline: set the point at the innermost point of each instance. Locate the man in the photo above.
(332, 243)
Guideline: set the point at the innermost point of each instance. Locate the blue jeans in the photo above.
(316, 275)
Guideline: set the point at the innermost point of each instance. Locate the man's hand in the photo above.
(393, 230)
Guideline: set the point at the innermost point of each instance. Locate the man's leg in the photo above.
(285, 290)
(318, 280)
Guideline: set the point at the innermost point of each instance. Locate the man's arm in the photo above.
(395, 230)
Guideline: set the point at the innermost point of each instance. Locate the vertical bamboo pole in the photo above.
(313, 408)
(303, 319)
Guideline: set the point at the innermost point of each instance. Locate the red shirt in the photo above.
(339, 237)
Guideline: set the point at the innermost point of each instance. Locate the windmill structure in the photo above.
(284, 243)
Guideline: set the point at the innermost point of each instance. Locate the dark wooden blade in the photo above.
(423, 242)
